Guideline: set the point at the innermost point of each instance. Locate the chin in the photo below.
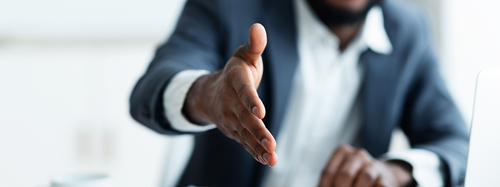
(351, 5)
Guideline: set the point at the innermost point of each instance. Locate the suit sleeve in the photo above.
(194, 45)
(427, 168)
(432, 121)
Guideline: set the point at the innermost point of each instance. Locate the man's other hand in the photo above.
(228, 98)
(350, 167)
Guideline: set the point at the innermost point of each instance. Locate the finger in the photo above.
(380, 183)
(338, 157)
(245, 87)
(246, 82)
(251, 53)
(254, 155)
(270, 158)
(236, 137)
(247, 93)
(252, 50)
(367, 176)
(236, 132)
(252, 142)
(255, 126)
(229, 126)
(249, 140)
(351, 167)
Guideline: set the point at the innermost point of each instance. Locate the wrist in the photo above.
(195, 102)
(402, 172)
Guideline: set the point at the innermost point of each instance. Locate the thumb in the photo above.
(256, 44)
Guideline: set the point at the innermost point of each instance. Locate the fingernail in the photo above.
(266, 157)
(262, 160)
(254, 110)
(265, 143)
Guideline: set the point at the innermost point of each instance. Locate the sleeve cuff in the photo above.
(427, 170)
(173, 101)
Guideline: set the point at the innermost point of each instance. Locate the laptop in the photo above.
(483, 162)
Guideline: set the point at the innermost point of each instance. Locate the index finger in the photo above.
(245, 89)
(337, 159)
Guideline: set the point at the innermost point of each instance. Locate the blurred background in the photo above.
(67, 69)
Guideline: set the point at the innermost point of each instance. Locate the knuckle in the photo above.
(257, 134)
(242, 133)
(226, 115)
(240, 129)
(241, 87)
(242, 114)
(235, 133)
(365, 174)
(232, 74)
(362, 153)
(344, 148)
(346, 175)
(244, 93)
(249, 102)
(229, 74)
(241, 90)
(358, 153)
(241, 49)
(236, 137)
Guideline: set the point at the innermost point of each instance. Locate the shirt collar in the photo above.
(373, 33)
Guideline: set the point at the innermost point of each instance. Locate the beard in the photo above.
(333, 15)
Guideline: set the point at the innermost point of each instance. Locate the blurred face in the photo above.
(352, 5)
(341, 12)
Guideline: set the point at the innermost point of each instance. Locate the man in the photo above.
(322, 85)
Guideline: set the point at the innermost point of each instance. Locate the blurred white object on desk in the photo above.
(82, 180)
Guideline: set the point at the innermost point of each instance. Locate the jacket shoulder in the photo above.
(406, 24)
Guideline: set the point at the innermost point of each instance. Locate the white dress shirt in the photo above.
(323, 111)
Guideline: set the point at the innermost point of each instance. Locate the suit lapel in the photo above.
(282, 56)
(375, 95)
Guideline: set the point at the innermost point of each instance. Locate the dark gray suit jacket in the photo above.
(403, 89)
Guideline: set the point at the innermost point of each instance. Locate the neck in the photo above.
(346, 33)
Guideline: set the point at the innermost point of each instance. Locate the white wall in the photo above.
(64, 108)
(470, 37)
(86, 19)
(67, 69)
(466, 34)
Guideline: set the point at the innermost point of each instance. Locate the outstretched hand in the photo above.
(229, 99)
